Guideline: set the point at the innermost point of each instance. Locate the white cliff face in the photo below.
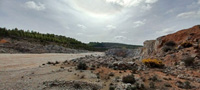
(148, 49)
(151, 47)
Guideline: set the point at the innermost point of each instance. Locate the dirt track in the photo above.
(23, 61)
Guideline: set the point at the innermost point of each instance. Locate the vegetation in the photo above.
(82, 66)
(43, 38)
(186, 45)
(188, 61)
(129, 79)
(170, 43)
(111, 88)
(131, 88)
(105, 45)
(169, 46)
(153, 63)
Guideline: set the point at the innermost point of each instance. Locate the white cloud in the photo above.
(120, 38)
(35, 6)
(166, 31)
(151, 1)
(79, 34)
(191, 14)
(81, 26)
(125, 3)
(110, 27)
(129, 3)
(124, 32)
(198, 2)
(138, 23)
(146, 7)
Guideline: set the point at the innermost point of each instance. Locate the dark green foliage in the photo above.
(134, 70)
(131, 88)
(166, 48)
(152, 85)
(170, 43)
(188, 61)
(187, 85)
(111, 88)
(129, 79)
(111, 74)
(186, 45)
(106, 45)
(43, 38)
(82, 66)
(77, 86)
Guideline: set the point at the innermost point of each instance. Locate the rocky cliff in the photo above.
(174, 47)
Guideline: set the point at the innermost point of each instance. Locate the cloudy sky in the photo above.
(123, 21)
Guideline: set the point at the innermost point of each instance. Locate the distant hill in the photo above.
(109, 45)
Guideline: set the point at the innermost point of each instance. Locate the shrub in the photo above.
(170, 43)
(187, 85)
(131, 88)
(153, 63)
(111, 88)
(186, 44)
(188, 61)
(82, 66)
(77, 86)
(152, 85)
(134, 70)
(166, 48)
(129, 79)
(111, 74)
(154, 78)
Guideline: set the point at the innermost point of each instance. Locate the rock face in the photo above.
(183, 43)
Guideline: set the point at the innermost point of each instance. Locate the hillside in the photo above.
(42, 38)
(109, 45)
(15, 41)
(20, 41)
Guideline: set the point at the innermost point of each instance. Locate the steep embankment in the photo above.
(174, 47)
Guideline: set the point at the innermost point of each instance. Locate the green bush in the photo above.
(188, 61)
(166, 48)
(129, 79)
(111, 88)
(82, 66)
(170, 43)
(186, 44)
(131, 88)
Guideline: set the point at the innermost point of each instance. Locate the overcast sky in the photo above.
(123, 21)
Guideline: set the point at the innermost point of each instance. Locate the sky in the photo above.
(121, 21)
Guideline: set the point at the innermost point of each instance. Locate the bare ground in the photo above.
(24, 61)
(26, 72)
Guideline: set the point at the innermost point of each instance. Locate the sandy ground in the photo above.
(26, 72)
(23, 61)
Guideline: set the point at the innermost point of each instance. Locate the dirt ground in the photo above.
(23, 61)
(26, 72)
